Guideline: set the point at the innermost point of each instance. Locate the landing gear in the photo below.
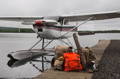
(35, 44)
(43, 57)
(43, 44)
(67, 43)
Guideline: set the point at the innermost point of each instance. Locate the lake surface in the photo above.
(16, 41)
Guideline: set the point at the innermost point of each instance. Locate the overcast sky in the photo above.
(54, 7)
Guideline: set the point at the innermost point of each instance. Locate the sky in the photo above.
(56, 8)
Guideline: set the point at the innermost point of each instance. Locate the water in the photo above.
(17, 41)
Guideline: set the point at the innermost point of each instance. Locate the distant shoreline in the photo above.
(29, 30)
(104, 31)
(15, 30)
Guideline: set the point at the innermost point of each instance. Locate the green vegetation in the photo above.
(104, 31)
(93, 32)
(29, 30)
(108, 31)
(15, 30)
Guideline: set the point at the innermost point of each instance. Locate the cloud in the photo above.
(54, 7)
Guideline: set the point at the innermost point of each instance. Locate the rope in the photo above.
(35, 66)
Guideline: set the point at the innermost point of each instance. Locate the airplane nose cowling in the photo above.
(38, 23)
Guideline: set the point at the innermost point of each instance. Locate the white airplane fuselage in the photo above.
(54, 32)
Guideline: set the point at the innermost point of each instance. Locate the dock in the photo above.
(108, 57)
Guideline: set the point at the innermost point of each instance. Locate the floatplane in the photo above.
(51, 28)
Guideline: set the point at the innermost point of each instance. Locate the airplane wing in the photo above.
(96, 16)
(66, 19)
(20, 18)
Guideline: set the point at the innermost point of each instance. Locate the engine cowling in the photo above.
(50, 22)
(39, 23)
(45, 22)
